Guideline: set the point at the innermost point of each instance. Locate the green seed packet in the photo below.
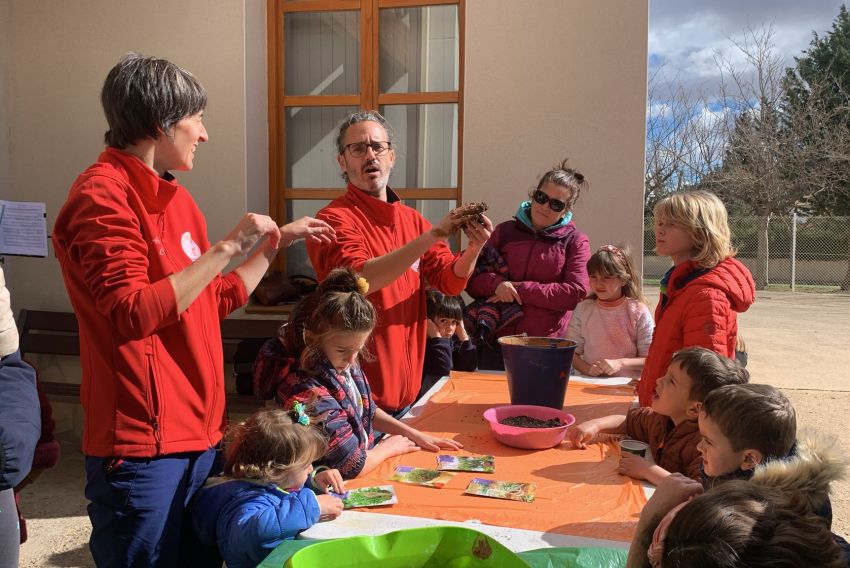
(421, 476)
(484, 464)
(512, 490)
(370, 497)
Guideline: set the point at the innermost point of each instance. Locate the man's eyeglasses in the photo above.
(555, 205)
(358, 149)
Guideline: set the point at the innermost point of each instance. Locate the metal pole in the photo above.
(793, 250)
(767, 253)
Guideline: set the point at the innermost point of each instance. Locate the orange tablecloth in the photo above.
(578, 491)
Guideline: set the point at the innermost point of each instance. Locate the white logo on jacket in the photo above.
(190, 247)
(415, 265)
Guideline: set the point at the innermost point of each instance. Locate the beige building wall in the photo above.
(544, 80)
(59, 53)
(5, 88)
(551, 79)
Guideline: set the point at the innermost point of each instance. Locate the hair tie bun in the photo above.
(362, 286)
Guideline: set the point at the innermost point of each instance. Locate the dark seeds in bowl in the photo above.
(523, 421)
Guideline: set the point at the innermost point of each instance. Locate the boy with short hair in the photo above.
(669, 426)
(749, 432)
(743, 426)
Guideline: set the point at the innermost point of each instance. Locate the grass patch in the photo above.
(808, 288)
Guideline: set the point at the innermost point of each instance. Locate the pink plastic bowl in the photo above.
(528, 438)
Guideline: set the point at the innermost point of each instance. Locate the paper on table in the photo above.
(512, 490)
(23, 228)
(422, 476)
(484, 464)
(370, 497)
(606, 381)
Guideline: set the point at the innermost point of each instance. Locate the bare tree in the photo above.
(769, 144)
(778, 156)
(685, 137)
(752, 172)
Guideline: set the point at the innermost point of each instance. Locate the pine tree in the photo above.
(818, 99)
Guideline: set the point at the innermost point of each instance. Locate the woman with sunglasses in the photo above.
(537, 261)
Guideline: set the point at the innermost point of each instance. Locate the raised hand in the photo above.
(460, 332)
(308, 228)
(478, 233)
(445, 227)
(248, 232)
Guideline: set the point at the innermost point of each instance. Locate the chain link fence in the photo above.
(800, 251)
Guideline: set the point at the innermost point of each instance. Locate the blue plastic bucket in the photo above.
(538, 369)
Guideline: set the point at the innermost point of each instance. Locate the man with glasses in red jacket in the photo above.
(396, 250)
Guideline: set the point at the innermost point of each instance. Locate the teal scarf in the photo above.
(523, 215)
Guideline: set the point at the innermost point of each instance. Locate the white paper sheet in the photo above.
(23, 228)
(606, 381)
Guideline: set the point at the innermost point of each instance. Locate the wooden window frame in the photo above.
(368, 98)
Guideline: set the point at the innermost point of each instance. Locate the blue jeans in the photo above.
(138, 509)
(10, 536)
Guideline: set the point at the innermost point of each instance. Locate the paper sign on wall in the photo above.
(23, 228)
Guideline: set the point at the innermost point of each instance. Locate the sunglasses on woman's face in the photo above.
(554, 204)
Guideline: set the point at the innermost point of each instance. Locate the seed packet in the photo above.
(484, 464)
(421, 476)
(512, 490)
(370, 497)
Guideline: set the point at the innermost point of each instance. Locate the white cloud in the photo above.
(686, 35)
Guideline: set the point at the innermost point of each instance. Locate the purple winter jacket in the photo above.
(550, 271)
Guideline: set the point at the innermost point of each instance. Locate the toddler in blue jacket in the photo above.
(269, 491)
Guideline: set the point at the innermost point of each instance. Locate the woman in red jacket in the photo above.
(148, 291)
(702, 294)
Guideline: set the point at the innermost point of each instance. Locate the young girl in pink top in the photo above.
(613, 326)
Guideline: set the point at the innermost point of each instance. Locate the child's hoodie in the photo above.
(247, 519)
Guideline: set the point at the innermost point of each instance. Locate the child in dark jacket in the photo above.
(761, 523)
(269, 491)
(448, 346)
(19, 426)
(670, 425)
(745, 426)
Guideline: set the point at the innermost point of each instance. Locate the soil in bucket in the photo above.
(537, 368)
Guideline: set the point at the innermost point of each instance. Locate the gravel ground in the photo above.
(797, 342)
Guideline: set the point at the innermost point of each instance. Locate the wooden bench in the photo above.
(57, 333)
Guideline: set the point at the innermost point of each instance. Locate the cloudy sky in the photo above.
(684, 34)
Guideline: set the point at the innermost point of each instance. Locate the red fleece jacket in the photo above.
(153, 379)
(701, 311)
(368, 228)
